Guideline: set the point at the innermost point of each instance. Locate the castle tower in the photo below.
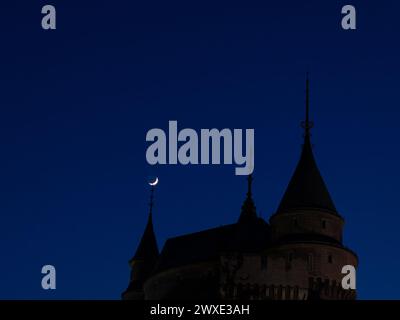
(307, 207)
(143, 262)
(307, 229)
(299, 255)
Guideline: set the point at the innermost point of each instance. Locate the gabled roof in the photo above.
(249, 234)
(207, 245)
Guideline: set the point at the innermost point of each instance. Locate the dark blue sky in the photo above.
(76, 104)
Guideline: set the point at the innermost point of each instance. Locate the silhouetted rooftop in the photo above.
(248, 212)
(307, 189)
(207, 245)
(147, 249)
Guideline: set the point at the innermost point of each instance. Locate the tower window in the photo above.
(323, 224)
(264, 262)
(295, 222)
(310, 262)
(289, 259)
(330, 260)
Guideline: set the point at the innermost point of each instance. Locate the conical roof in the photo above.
(248, 212)
(147, 249)
(307, 188)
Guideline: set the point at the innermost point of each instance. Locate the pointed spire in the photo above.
(148, 248)
(151, 203)
(307, 124)
(248, 212)
(249, 185)
(145, 258)
(306, 188)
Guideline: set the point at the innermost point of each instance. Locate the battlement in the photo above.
(318, 289)
(328, 290)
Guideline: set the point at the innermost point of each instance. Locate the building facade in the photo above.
(297, 255)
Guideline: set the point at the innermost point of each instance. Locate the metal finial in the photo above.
(152, 187)
(307, 124)
(249, 184)
(151, 203)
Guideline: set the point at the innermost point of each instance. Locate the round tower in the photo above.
(306, 232)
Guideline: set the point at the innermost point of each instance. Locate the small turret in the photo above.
(144, 259)
(248, 212)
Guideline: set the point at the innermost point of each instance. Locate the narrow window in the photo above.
(289, 260)
(264, 262)
(330, 260)
(295, 223)
(310, 262)
(323, 224)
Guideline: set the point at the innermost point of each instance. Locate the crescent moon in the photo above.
(154, 183)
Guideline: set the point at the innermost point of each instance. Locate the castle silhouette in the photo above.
(297, 255)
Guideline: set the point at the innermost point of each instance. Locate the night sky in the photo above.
(76, 104)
